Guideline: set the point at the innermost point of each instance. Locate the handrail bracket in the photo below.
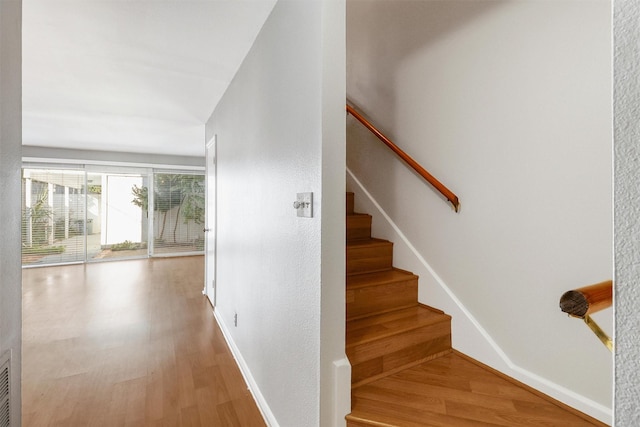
(602, 335)
(580, 303)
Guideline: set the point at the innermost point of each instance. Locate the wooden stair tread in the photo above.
(371, 328)
(377, 278)
(357, 243)
(355, 217)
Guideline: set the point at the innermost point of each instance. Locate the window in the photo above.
(53, 216)
(73, 214)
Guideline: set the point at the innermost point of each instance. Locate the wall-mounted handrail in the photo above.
(588, 300)
(585, 301)
(448, 194)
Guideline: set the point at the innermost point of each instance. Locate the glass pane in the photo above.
(116, 224)
(53, 216)
(178, 212)
(76, 215)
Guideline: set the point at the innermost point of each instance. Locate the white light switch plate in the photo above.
(304, 203)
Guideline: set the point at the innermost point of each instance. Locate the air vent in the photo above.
(5, 391)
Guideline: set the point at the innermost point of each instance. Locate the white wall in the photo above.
(276, 127)
(10, 140)
(627, 211)
(508, 103)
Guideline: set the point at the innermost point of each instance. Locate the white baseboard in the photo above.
(268, 416)
(477, 342)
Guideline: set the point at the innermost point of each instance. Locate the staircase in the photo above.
(404, 371)
(387, 329)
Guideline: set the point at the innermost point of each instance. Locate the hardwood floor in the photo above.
(129, 343)
(452, 391)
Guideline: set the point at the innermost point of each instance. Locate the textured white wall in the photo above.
(10, 161)
(627, 211)
(508, 103)
(271, 126)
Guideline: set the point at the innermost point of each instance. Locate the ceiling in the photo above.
(137, 76)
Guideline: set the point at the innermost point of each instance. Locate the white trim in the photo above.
(268, 416)
(546, 386)
(211, 219)
(342, 391)
(176, 254)
(44, 160)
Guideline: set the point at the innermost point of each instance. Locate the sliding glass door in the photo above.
(92, 213)
(116, 224)
(178, 212)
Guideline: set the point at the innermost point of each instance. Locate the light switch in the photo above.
(304, 205)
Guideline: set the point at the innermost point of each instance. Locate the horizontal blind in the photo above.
(53, 215)
(178, 212)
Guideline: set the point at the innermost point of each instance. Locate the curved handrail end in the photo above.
(448, 194)
(456, 204)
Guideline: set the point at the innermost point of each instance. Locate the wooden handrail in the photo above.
(407, 159)
(588, 300)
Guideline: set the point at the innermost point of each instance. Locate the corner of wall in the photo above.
(335, 375)
(627, 208)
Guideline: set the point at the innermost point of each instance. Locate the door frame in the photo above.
(210, 225)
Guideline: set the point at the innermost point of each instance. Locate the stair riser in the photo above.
(390, 344)
(381, 298)
(374, 369)
(388, 354)
(350, 202)
(358, 227)
(369, 258)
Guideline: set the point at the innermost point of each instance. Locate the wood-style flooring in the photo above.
(128, 343)
(453, 391)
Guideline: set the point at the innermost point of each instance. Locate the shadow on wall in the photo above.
(388, 33)
(381, 35)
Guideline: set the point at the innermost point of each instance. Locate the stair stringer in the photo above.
(468, 335)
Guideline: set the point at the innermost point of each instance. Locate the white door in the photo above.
(210, 222)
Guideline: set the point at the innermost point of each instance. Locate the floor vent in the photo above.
(5, 407)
